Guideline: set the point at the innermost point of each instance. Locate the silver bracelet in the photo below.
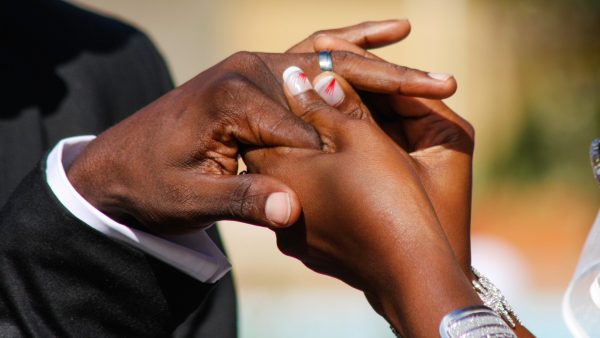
(494, 299)
(471, 322)
(474, 322)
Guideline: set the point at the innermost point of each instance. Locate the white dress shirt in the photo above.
(195, 253)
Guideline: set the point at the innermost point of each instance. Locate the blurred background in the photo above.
(529, 81)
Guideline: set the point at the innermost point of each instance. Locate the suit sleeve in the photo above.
(60, 278)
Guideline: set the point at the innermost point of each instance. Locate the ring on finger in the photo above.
(325, 61)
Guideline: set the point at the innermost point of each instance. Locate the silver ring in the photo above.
(325, 61)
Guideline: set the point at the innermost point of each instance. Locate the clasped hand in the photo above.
(171, 166)
(367, 216)
(371, 186)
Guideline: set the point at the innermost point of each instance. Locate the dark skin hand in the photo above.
(156, 190)
(439, 144)
(357, 38)
(439, 141)
(367, 219)
(171, 166)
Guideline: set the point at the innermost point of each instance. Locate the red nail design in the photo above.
(330, 87)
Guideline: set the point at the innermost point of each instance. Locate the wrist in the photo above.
(91, 177)
(423, 287)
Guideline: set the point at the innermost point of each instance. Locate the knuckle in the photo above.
(243, 57)
(227, 88)
(343, 56)
(241, 200)
(245, 62)
(235, 82)
(311, 105)
(322, 41)
(359, 112)
(347, 62)
(320, 33)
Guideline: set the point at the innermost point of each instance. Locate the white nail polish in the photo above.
(295, 80)
(439, 76)
(329, 89)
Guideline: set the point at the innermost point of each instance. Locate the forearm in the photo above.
(427, 286)
(425, 282)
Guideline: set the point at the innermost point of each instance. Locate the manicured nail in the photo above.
(278, 208)
(439, 76)
(295, 80)
(329, 89)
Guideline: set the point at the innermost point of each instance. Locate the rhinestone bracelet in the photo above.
(474, 322)
(493, 298)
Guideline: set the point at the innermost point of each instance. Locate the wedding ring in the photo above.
(325, 61)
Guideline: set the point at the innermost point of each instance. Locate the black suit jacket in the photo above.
(67, 71)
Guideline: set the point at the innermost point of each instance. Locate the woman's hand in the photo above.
(357, 38)
(367, 219)
(439, 141)
(440, 145)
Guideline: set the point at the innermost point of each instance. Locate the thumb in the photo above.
(256, 199)
(307, 104)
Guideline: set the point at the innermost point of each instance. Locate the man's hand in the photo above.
(172, 165)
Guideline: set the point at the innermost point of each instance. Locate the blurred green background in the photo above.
(557, 52)
(529, 81)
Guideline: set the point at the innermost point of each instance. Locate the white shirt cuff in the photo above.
(195, 253)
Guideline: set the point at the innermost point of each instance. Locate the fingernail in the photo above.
(278, 208)
(439, 76)
(295, 80)
(329, 89)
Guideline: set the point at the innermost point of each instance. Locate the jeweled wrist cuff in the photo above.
(474, 322)
(494, 299)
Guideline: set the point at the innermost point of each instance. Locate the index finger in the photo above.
(371, 34)
(379, 76)
(307, 104)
